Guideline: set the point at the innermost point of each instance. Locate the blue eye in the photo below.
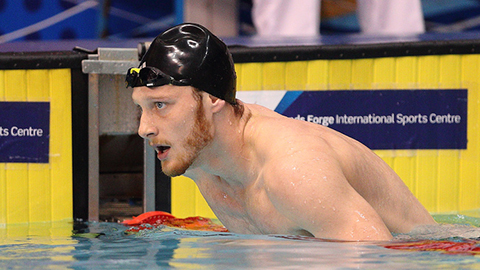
(159, 105)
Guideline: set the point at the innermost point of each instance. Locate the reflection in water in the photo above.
(105, 245)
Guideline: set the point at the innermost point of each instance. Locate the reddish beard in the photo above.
(199, 137)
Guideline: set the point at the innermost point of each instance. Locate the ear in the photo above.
(216, 103)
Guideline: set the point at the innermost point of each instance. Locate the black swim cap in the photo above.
(189, 54)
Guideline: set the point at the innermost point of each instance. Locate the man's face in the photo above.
(174, 122)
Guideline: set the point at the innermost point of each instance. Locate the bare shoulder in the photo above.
(272, 131)
(303, 160)
(310, 189)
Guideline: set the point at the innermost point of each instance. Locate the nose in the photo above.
(146, 128)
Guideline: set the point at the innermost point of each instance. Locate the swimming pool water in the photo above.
(106, 246)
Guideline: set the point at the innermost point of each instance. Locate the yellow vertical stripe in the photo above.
(61, 144)
(273, 76)
(402, 75)
(296, 75)
(183, 197)
(469, 171)
(340, 74)
(17, 210)
(385, 69)
(406, 72)
(362, 74)
(39, 196)
(249, 76)
(448, 160)
(3, 183)
(427, 160)
(317, 75)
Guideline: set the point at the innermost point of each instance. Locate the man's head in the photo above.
(187, 55)
(183, 66)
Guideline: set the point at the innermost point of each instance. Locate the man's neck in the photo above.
(228, 156)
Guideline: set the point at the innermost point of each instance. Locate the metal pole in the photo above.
(148, 178)
(93, 148)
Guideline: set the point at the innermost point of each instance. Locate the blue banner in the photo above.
(386, 119)
(24, 132)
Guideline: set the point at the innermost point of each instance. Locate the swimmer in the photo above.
(260, 172)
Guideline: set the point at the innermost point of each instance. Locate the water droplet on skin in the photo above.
(360, 214)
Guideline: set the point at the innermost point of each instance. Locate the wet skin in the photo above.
(263, 173)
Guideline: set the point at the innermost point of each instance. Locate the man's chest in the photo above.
(249, 212)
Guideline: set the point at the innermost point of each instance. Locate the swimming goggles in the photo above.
(150, 77)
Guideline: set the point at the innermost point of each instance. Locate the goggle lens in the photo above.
(150, 77)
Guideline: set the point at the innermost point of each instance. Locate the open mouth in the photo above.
(162, 151)
(162, 148)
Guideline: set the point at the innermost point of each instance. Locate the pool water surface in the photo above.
(102, 245)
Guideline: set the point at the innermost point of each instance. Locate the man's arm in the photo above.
(313, 192)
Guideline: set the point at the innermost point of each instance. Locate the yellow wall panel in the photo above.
(61, 144)
(38, 85)
(428, 71)
(249, 76)
(39, 174)
(2, 85)
(15, 85)
(402, 75)
(17, 210)
(406, 72)
(183, 197)
(469, 172)
(40, 194)
(16, 174)
(384, 71)
(34, 192)
(403, 160)
(447, 186)
(3, 195)
(273, 76)
(296, 75)
(317, 75)
(450, 71)
(362, 73)
(427, 160)
(381, 70)
(340, 74)
(3, 183)
(448, 162)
